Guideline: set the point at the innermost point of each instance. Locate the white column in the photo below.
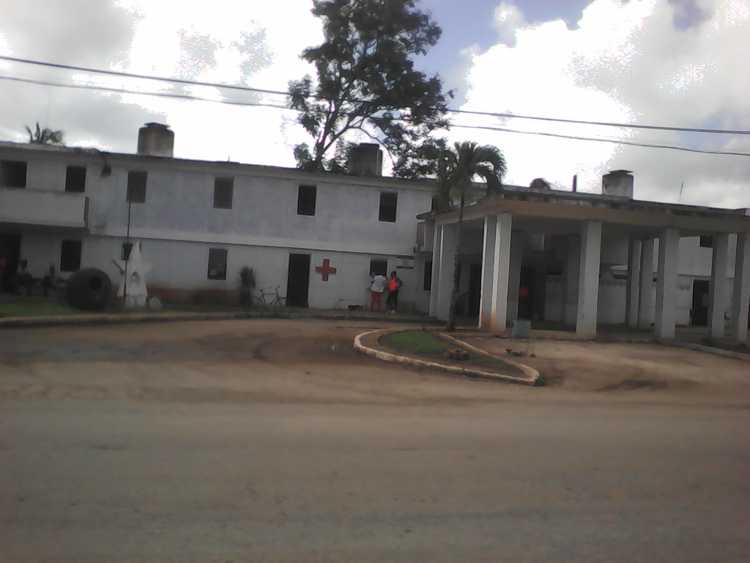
(570, 291)
(633, 285)
(741, 301)
(488, 271)
(501, 273)
(437, 240)
(588, 278)
(666, 284)
(645, 291)
(447, 269)
(718, 298)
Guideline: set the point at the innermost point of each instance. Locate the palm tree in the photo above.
(45, 136)
(457, 169)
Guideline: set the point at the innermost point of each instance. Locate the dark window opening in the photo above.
(306, 197)
(217, 263)
(13, 174)
(127, 248)
(707, 241)
(223, 193)
(70, 256)
(388, 202)
(137, 186)
(428, 275)
(75, 179)
(378, 266)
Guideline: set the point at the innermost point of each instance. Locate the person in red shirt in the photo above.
(394, 284)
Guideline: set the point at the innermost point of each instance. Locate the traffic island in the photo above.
(435, 350)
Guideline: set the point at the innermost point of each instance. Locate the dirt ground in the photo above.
(275, 441)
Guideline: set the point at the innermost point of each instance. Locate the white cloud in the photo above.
(625, 62)
(508, 19)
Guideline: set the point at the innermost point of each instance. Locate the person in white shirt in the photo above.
(377, 287)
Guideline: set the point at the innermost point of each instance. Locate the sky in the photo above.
(667, 62)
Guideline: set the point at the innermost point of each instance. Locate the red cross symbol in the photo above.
(325, 269)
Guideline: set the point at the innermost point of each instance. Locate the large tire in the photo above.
(89, 289)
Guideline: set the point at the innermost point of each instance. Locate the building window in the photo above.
(388, 201)
(75, 179)
(707, 241)
(306, 197)
(70, 256)
(378, 266)
(137, 186)
(223, 193)
(217, 263)
(428, 275)
(13, 174)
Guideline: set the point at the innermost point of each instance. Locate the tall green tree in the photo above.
(366, 80)
(457, 168)
(45, 136)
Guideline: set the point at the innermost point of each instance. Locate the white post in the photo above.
(718, 298)
(488, 271)
(666, 285)
(501, 268)
(741, 301)
(437, 240)
(447, 269)
(633, 285)
(588, 279)
(645, 291)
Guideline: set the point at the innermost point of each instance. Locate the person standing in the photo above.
(394, 284)
(377, 287)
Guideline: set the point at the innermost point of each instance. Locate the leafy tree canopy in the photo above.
(45, 136)
(366, 80)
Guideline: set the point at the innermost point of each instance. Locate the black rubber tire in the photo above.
(89, 289)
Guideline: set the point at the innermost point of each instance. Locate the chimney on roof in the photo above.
(618, 183)
(156, 139)
(366, 159)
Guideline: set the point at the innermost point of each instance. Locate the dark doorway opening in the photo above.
(475, 289)
(699, 311)
(10, 253)
(298, 282)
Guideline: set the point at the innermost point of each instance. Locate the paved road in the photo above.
(309, 461)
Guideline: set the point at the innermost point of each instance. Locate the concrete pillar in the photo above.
(718, 298)
(633, 284)
(447, 269)
(588, 278)
(435, 283)
(517, 243)
(741, 300)
(570, 279)
(666, 284)
(497, 293)
(646, 285)
(488, 271)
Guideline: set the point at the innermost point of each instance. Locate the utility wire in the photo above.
(278, 106)
(284, 93)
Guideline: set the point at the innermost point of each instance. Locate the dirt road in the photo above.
(273, 440)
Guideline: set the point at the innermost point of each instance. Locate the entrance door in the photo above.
(700, 303)
(475, 289)
(298, 282)
(10, 252)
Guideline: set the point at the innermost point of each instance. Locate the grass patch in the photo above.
(34, 307)
(419, 342)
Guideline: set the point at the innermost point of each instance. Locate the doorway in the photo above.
(298, 282)
(10, 253)
(699, 310)
(475, 289)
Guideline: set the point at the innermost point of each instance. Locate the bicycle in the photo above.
(271, 298)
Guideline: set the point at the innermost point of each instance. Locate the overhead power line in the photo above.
(191, 97)
(450, 110)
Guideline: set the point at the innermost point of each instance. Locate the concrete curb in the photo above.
(128, 318)
(399, 359)
(531, 373)
(709, 350)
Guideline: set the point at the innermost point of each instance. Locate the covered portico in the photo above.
(588, 244)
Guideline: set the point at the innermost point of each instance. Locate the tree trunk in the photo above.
(451, 326)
